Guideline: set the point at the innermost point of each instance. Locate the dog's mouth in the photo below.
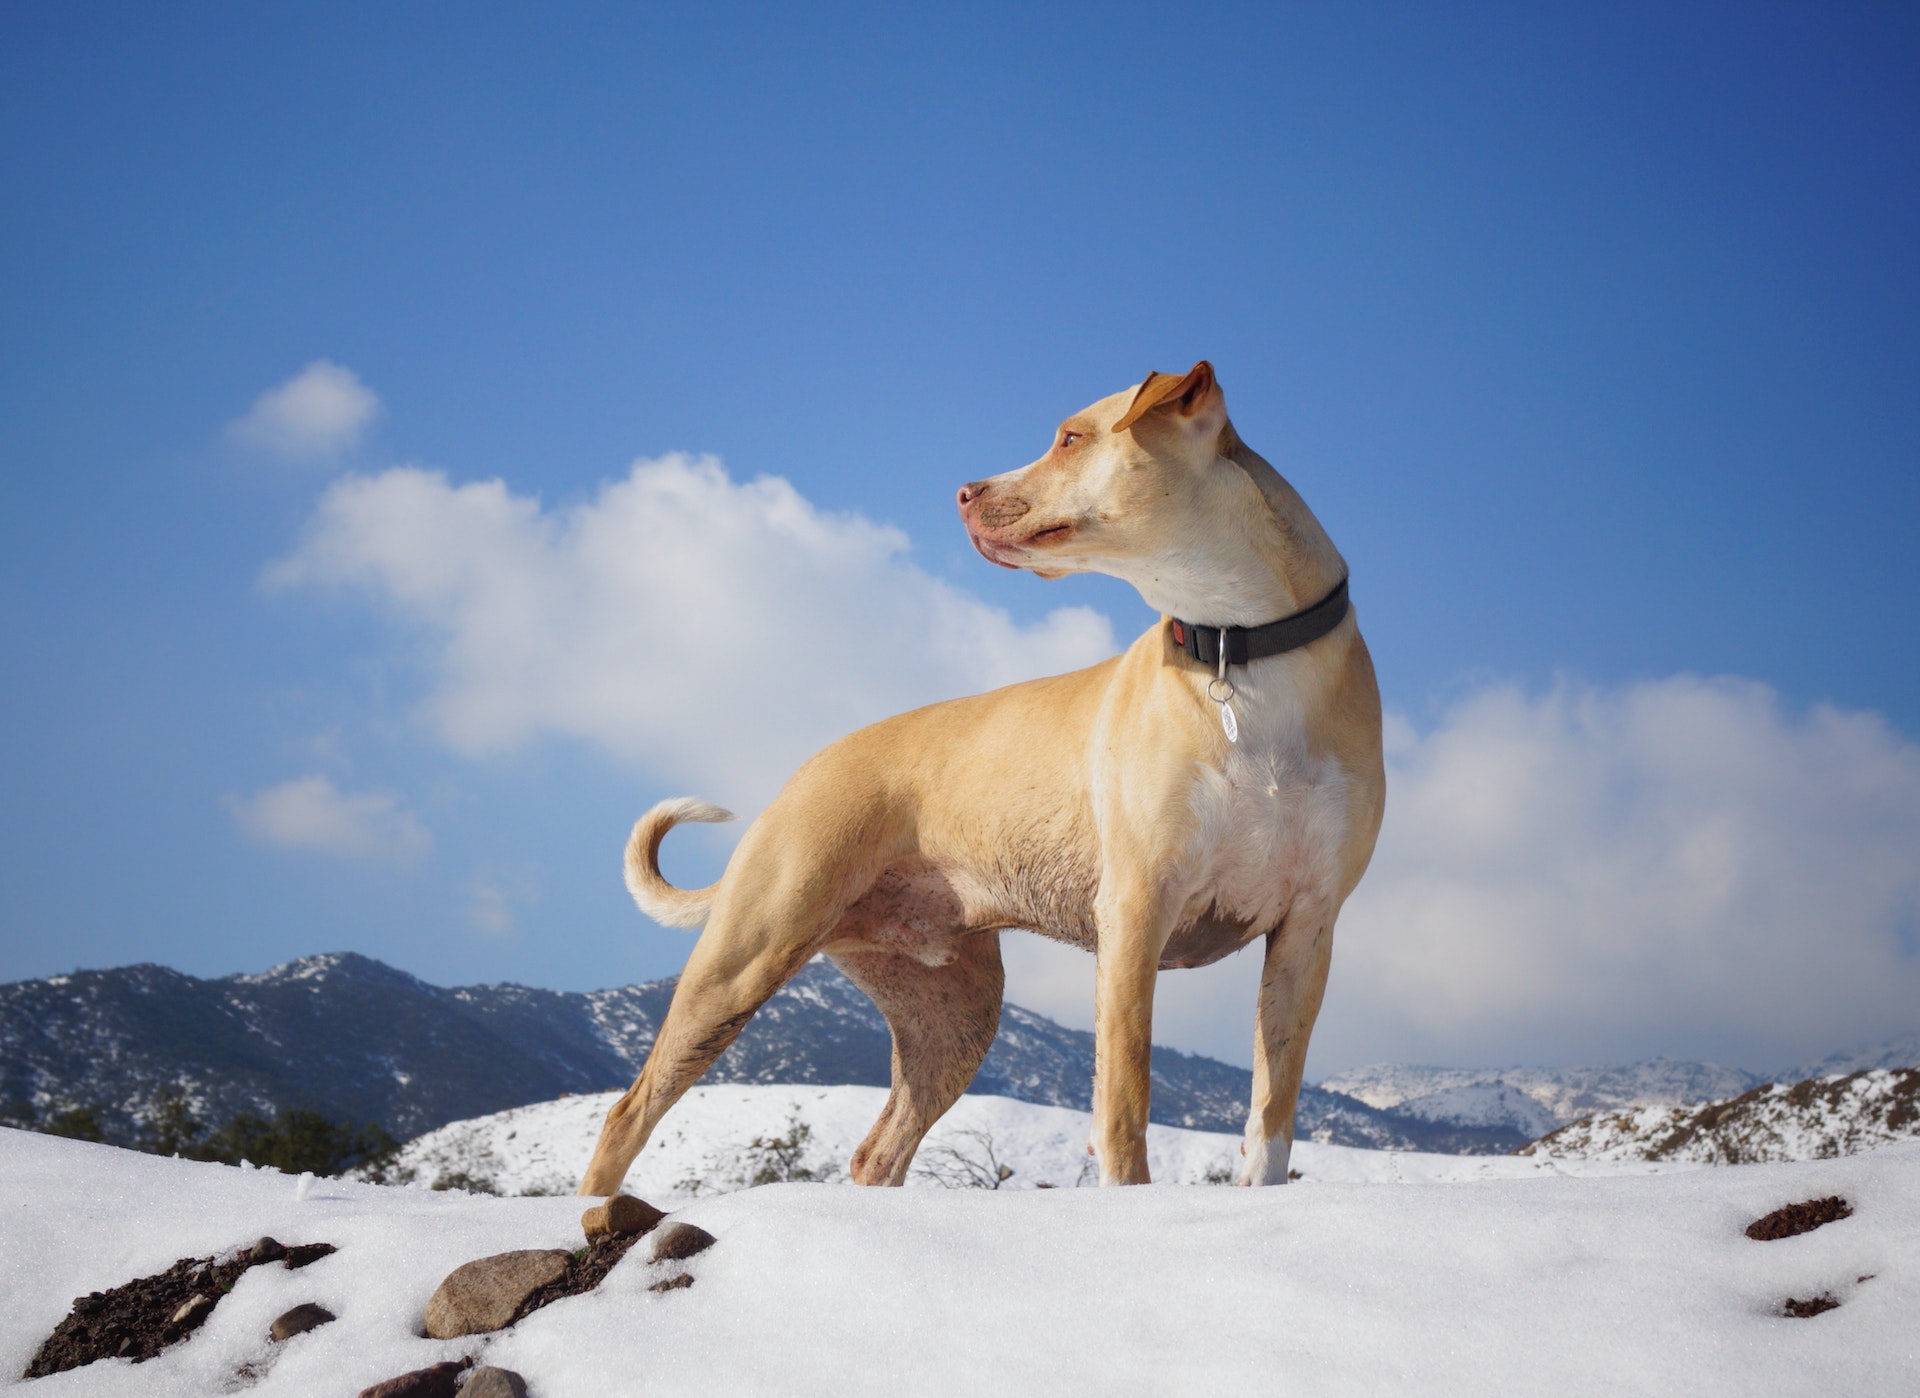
(1011, 554)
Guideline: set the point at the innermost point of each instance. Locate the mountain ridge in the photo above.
(357, 1039)
(353, 1038)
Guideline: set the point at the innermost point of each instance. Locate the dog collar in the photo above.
(1245, 643)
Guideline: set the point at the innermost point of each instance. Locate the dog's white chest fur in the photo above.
(1270, 823)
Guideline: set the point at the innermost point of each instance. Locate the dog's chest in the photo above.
(1270, 819)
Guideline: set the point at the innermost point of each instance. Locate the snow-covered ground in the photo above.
(1620, 1284)
(706, 1145)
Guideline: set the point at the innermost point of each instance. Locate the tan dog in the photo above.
(1107, 808)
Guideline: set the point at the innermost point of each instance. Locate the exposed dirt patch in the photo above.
(1796, 1219)
(587, 1270)
(1806, 1310)
(138, 1320)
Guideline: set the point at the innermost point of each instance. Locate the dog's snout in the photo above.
(971, 491)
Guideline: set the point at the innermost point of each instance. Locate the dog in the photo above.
(1218, 783)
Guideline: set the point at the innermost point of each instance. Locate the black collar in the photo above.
(1246, 643)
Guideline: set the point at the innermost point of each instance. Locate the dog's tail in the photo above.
(658, 899)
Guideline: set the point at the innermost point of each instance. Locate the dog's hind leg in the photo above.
(711, 1005)
(943, 1020)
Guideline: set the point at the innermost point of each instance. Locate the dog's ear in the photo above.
(1185, 395)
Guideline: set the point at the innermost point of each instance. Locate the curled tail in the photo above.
(658, 899)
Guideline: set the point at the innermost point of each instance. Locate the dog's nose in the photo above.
(970, 492)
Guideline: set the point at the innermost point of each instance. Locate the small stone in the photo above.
(309, 1252)
(673, 1283)
(266, 1250)
(484, 1294)
(299, 1320)
(192, 1312)
(622, 1216)
(439, 1381)
(489, 1382)
(673, 1241)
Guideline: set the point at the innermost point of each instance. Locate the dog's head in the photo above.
(1151, 485)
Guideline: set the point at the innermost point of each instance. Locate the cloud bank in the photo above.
(319, 412)
(1681, 866)
(712, 632)
(310, 813)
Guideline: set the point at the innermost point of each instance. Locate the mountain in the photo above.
(352, 1038)
(1900, 1052)
(1533, 1101)
(1816, 1119)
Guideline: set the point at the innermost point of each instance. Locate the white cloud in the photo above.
(319, 412)
(713, 632)
(310, 813)
(1680, 867)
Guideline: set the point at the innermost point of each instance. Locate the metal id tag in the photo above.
(1229, 720)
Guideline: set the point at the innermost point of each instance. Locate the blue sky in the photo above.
(1589, 332)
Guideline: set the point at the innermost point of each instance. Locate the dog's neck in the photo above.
(1255, 554)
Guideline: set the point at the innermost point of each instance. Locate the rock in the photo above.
(489, 1382)
(1796, 1219)
(299, 1320)
(622, 1216)
(483, 1294)
(440, 1381)
(673, 1283)
(192, 1312)
(673, 1241)
(266, 1250)
(307, 1252)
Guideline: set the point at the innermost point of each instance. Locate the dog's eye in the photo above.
(1067, 439)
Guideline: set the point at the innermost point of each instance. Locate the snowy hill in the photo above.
(1532, 1101)
(352, 1038)
(1618, 1285)
(1811, 1120)
(707, 1145)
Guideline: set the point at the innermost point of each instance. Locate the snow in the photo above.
(542, 1148)
(1610, 1283)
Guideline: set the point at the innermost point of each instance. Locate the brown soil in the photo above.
(1796, 1219)
(587, 1269)
(137, 1321)
(1806, 1310)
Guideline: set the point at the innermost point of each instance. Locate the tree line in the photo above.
(295, 1140)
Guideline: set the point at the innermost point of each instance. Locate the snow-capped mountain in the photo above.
(1815, 1119)
(355, 1039)
(1533, 1101)
(1900, 1052)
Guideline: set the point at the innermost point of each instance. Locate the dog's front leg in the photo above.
(1132, 923)
(1292, 980)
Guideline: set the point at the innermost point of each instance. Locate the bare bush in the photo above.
(963, 1160)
